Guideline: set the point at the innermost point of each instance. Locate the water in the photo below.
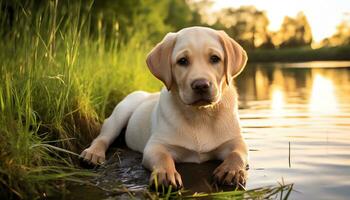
(296, 120)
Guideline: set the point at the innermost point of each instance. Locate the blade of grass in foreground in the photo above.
(281, 191)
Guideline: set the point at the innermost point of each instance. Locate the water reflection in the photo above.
(323, 100)
(277, 101)
(308, 107)
(277, 93)
(279, 85)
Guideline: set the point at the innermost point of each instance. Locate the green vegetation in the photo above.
(57, 84)
(249, 27)
(282, 191)
(300, 54)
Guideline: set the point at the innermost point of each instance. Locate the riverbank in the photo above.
(300, 54)
(123, 177)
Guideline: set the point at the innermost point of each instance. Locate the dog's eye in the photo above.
(214, 59)
(183, 62)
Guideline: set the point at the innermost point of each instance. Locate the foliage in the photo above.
(294, 32)
(57, 83)
(131, 17)
(341, 37)
(179, 14)
(247, 25)
(185, 13)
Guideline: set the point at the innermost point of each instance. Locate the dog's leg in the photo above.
(112, 127)
(232, 170)
(158, 159)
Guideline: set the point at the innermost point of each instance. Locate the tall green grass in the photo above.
(58, 80)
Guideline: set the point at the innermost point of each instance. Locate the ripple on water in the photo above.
(300, 131)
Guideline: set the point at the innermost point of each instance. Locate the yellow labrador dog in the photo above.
(194, 119)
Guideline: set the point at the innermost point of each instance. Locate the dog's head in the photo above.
(197, 62)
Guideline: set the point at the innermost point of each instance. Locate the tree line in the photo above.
(152, 19)
(247, 24)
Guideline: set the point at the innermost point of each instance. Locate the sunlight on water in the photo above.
(296, 121)
(277, 101)
(277, 93)
(323, 100)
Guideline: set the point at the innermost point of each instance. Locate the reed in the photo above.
(58, 81)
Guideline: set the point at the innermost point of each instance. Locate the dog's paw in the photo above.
(166, 178)
(93, 155)
(230, 173)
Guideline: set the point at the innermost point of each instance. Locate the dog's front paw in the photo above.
(232, 171)
(93, 155)
(166, 177)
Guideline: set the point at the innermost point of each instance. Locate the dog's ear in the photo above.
(235, 56)
(159, 59)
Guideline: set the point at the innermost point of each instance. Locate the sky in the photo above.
(323, 15)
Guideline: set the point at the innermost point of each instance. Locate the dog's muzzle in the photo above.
(202, 92)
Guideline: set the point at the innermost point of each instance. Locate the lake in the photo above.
(296, 121)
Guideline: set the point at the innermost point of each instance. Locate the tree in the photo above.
(184, 13)
(149, 17)
(246, 24)
(294, 32)
(341, 37)
(131, 17)
(179, 14)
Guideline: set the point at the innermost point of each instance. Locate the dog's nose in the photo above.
(201, 85)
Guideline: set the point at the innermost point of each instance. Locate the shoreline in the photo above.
(307, 64)
(301, 54)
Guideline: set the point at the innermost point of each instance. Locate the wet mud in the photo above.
(123, 175)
